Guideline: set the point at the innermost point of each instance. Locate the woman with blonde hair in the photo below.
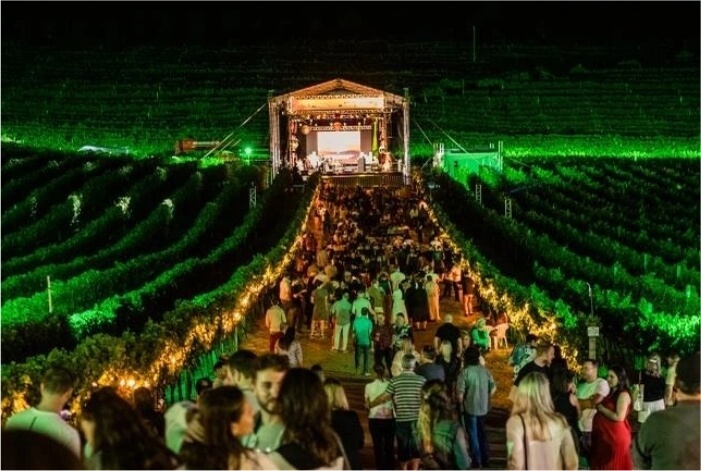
(652, 387)
(345, 421)
(442, 439)
(537, 437)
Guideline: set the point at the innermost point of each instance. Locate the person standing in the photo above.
(442, 438)
(541, 363)
(377, 296)
(427, 365)
(285, 295)
(475, 387)
(468, 291)
(345, 422)
(320, 314)
(565, 400)
(652, 388)
(274, 319)
(523, 354)
(226, 417)
(670, 439)
(406, 348)
(289, 346)
(396, 278)
(434, 295)
(398, 303)
(382, 342)
(452, 365)
(362, 335)
(298, 304)
(341, 313)
(270, 369)
(116, 438)
(307, 438)
(56, 388)
(590, 393)
(419, 301)
(537, 437)
(241, 372)
(405, 391)
(670, 379)
(450, 332)
(380, 419)
(362, 302)
(611, 433)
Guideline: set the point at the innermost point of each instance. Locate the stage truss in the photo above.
(340, 126)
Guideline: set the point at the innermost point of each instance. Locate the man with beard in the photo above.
(268, 427)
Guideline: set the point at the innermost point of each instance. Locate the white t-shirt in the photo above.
(47, 423)
(585, 391)
(380, 411)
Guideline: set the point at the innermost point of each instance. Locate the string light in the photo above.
(173, 355)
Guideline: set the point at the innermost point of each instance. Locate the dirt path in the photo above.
(341, 366)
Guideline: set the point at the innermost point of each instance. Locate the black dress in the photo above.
(347, 426)
(562, 404)
(420, 305)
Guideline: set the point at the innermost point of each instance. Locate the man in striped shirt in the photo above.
(405, 391)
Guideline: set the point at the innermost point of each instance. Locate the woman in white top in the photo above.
(381, 420)
(398, 305)
(537, 437)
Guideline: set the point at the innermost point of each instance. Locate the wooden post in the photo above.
(48, 289)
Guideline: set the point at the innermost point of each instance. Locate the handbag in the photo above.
(638, 403)
(525, 443)
(433, 461)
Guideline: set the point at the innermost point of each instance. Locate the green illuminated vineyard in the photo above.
(153, 262)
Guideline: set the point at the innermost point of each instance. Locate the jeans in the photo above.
(477, 436)
(384, 357)
(364, 352)
(382, 433)
(340, 331)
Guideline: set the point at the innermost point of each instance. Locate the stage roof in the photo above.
(338, 95)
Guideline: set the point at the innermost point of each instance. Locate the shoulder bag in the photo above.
(525, 443)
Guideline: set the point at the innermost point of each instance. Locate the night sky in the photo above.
(130, 23)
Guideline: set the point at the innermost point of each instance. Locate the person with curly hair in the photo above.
(442, 439)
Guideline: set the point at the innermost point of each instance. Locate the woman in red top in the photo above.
(611, 433)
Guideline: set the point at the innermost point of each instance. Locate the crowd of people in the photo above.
(266, 414)
(369, 276)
